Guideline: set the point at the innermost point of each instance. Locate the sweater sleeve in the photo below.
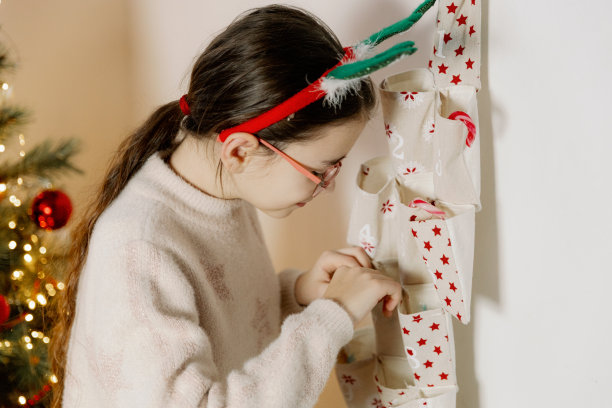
(166, 358)
(289, 304)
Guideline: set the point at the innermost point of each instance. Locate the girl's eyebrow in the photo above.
(332, 162)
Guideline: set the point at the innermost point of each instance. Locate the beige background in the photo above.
(540, 327)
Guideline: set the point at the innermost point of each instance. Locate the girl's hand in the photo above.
(358, 290)
(312, 284)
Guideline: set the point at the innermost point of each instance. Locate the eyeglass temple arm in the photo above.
(295, 164)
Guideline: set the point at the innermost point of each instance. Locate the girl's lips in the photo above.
(301, 204)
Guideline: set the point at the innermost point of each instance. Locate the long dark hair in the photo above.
(262, 58)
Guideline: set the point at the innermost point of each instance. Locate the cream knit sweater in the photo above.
(178, 305)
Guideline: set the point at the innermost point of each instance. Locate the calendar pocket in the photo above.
(446, 248)
(355, 370)
(394, 381)
(428, 338)
(373, 216)
(433, 130)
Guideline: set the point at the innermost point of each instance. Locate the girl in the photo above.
(172, 300)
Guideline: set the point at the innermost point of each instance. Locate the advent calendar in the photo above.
(414, 215)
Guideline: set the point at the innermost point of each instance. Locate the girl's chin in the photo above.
(283, 212)
(279, 213)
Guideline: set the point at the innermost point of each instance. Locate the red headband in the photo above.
(306, 96)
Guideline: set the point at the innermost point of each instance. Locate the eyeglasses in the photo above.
(322, 182)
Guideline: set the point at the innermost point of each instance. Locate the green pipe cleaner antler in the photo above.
(364, 67)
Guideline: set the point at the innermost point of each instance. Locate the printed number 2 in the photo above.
(400, 143)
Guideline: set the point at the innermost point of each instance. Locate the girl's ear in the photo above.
(237, 151)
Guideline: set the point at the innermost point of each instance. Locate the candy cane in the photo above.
(432, 209)
(467, 121)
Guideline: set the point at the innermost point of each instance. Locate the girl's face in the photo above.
(277, 188)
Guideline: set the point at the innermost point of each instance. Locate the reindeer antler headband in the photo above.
(337, 81)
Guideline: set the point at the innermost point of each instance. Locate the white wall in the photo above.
(542, 273)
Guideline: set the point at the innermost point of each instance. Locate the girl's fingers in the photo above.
(334, 259)
(391, 291)
(359, 254)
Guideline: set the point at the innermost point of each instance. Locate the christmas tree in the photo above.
(33, 245)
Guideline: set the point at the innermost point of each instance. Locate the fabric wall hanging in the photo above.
(414, 215)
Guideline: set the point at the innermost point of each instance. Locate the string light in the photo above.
(16, 202)
(50, 289)
(28, 256)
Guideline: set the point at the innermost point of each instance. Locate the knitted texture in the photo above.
(178, 305)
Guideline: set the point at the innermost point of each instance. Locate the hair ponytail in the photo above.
(156, 134)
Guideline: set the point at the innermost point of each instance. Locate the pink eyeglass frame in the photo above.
(322, 183)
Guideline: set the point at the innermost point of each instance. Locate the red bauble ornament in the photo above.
(3, 192)
(5, 310)
(51, 209)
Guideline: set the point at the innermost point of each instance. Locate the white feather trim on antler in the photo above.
(363, 51)
(337, 89)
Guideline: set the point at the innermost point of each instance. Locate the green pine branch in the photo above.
(44, 159)
(5, 62)
(25, 371)
(11, 119)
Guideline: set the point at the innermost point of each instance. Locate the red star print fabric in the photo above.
(429, 347)
(455, 58)
(447, 248)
